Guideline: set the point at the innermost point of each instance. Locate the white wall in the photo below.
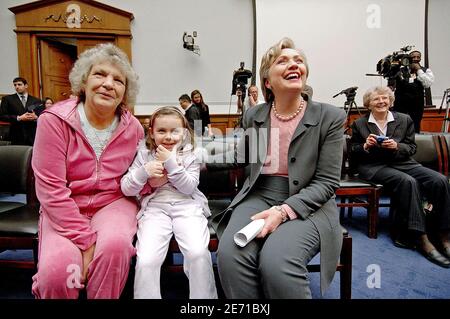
(334, 34)
(439, 47)
(166, 69)
(341, 39)
(8, 63)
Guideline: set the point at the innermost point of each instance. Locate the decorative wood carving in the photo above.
(83, 20)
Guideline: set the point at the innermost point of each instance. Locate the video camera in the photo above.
(240, 80)
(350, 94)
(396, 64)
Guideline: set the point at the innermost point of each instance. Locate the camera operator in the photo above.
(409, 92)
(251, 101)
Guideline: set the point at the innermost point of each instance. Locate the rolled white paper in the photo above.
(246, 234)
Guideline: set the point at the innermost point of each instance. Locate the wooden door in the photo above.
(56, 61)
(84, 44)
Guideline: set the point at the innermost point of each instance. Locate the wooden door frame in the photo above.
(45, 18)
(49, 84)
(28, 53)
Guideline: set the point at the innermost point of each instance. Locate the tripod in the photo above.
(350, 103)
(446, 98)
(241, 98)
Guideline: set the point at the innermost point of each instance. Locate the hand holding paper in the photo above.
(246, 234)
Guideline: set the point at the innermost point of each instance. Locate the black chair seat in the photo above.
(5, 206)
(20, 221)
(218, 205)
(19, 225)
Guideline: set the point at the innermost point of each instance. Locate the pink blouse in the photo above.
(276, 163)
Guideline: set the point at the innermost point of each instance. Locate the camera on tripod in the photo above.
(240, 80)
(396, 64)
(350, 103)
(350, 94)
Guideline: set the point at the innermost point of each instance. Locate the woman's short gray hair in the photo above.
(380, 90)
(104, 52)
(269, 58)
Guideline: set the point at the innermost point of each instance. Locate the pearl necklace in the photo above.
(286, 118)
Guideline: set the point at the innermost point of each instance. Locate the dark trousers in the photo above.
(408, 187)
(273, 267)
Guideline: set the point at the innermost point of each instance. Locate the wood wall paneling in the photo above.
(221, 122)
(431, 122)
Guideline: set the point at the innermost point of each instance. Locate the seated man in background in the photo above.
(382, 145)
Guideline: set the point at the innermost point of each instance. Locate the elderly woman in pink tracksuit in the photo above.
(83, 147)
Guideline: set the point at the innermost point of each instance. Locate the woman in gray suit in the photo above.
(295, 166)
(382, 145)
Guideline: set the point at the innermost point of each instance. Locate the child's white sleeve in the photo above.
(185, 179)
(136, 177)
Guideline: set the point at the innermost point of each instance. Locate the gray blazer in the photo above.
(314, 169)
(368, 163)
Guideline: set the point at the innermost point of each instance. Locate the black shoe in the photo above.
(435, 257)
(446, 252)
(404, 243)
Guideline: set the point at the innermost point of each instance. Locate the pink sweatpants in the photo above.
(60, 261)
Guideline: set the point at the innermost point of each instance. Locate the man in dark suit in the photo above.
(192, 114)
(19, 110)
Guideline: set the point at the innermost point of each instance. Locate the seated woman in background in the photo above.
(291, 186)
(197, 99)
(48, 102)
(382, 146)
(83, 147)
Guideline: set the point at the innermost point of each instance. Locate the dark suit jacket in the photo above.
(368, 163)
(21, 133)
(192, 114)
(314, 170)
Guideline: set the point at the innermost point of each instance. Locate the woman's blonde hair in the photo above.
(269, 58)
(104, 52)
(380, 90)
(188, 138)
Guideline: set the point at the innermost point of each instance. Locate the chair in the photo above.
(444, 140)
(429, 152)
(18, 221)
(354, 192)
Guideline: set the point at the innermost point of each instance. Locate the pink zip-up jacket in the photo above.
(70, 181)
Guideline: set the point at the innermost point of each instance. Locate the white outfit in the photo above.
(171, 207)
(426, 78)
(247, 102)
